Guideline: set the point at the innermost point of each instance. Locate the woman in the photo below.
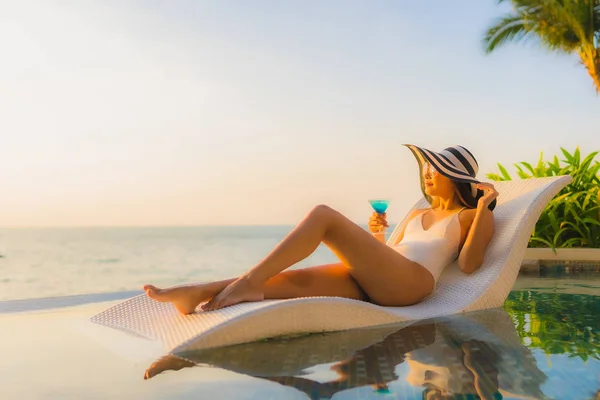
(459, 224)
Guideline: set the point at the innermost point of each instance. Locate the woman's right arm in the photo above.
(377, 225)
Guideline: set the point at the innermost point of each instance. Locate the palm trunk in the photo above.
(591, 60)
(596, 76)
(598, 197)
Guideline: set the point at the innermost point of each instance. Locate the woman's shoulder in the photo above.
(467, 212)
(468, 215)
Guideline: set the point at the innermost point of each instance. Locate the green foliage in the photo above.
(557, 323)
(567, 26)
(572, 218)
(561, 25)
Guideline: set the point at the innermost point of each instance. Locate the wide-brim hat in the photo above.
(455, 162)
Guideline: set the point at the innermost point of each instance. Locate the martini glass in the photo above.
(380, 206)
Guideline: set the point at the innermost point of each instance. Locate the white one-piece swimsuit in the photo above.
(434, 248)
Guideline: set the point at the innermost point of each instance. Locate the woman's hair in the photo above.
(463, 191)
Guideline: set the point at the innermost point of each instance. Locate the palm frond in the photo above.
(560, 25)
(508, 28)
(568, 26)
(571, 18)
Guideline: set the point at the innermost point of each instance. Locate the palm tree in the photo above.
(568, 26)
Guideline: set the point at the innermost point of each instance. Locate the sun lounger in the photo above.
(519, 206)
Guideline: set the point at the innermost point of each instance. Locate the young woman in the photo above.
(459, 224)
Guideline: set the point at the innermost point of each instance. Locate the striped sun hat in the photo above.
(456, 163)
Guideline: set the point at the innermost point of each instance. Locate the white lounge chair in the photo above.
(519, 206)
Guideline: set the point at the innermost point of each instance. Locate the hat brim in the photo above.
(433, 158)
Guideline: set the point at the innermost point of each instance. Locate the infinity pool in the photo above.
(543, 344)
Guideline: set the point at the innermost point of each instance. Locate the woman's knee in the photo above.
(322, 210)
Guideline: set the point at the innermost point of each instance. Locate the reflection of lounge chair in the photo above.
(292, 357)
(447, 354)
(519, 206)
(360, 357)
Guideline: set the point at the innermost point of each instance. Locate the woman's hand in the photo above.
(489, 194)
(377, 222)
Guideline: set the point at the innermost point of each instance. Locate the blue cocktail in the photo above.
(380, 205)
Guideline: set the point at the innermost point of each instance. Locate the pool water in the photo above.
(543, 344)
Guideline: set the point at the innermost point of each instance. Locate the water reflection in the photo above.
(476, 355)
(557, 323)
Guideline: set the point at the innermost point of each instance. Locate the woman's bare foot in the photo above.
(184, 298)
(242, 290)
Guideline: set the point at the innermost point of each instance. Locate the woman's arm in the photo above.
(478, 238)
(480, 232)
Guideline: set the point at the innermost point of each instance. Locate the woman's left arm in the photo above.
(480, 232)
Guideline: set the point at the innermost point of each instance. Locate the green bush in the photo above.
(572, 218)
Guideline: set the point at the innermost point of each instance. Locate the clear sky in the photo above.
(250, 112)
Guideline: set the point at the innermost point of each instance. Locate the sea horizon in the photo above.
(61, 261)
(142, 226)
(211, 226)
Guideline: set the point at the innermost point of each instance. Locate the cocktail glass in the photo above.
(380, 206)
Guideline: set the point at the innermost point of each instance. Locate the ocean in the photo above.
(38, 263)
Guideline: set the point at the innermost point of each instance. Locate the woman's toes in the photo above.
(151, 287)
(159, 294)
(207, 306)
(217, 305)
(214, 303)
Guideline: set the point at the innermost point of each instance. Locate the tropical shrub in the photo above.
(572, 218)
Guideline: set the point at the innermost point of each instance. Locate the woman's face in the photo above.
(436, 184)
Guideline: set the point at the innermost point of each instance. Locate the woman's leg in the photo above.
(322, 280)
(387, 277)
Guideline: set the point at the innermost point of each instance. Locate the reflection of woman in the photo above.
(480, 361)
(459, 224)
(372, 366)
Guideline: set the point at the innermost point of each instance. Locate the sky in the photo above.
(154, 113)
